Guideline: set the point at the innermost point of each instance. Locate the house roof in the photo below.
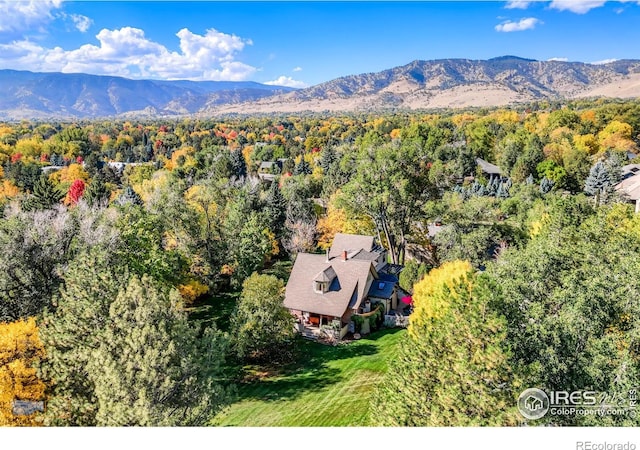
(352, 243)
(630, 187)
(348, 288)
(383, 286)
(487, 167)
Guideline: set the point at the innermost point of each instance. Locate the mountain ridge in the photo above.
(420, 84)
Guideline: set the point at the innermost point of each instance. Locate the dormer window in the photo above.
(321, 287)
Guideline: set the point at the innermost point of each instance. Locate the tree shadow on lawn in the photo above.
(310, 371)
(290, 387)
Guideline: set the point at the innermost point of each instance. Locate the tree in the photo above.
(261, 326)
(20, 351)
(33, 247)
(151, 367)
(276, 209)
(254, 246)
(129, 197)
(45, 195)
(238, 164)
(302, 168)
(599, 183)
(75, 191)
(453, 369)
(97, 193)
(73, 331)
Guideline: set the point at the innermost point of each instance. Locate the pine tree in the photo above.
(600, 182)
(97, 193)
(452, 370)
(151, 367)
(302, 168)
(276, 209)
(238, 164)
(529, 180)
(328, 158)
(546, 185)
(129, 197)
(73, 331)
(45, 195)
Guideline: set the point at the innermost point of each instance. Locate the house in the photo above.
(324, 292)
(268, 170)
(629, 187)
(490, 170)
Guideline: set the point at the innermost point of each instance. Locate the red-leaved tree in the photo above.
(75, 191)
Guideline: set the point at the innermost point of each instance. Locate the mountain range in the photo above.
(420, 84)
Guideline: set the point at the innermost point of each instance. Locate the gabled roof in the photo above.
(352, 243)
(326, 275)
(348, 289)
(487, 167)
(630, 187)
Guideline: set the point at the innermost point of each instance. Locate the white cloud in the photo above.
(558, 59)
(287, 81)
(127, 52)
(528, 23)
(604, 61)
(81, 22)
(24, 15)
(297, 69)
(576, 6)
(517, 4)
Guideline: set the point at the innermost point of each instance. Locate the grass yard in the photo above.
(215, 308)
(331, 386)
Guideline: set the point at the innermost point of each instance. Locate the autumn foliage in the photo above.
(20, 348)
(75, 192)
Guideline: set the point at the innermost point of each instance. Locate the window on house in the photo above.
(381, 285)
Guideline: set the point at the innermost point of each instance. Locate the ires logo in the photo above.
(535, 403)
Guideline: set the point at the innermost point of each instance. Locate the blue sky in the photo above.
(302, 43)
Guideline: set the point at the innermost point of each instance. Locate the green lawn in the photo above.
(331, 386)
(214, 308)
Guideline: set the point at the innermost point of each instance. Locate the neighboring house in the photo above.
(48, 169)
(491, 170)
(325, 291)
(119, 166)
(268, 170)
(629, 187)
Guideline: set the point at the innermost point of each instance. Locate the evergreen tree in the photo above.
(276, 209)
(129, 197)
(73, 331)
(529, 180)
(151, 367)
(452, 370)
(600, 182)
(302, 168)
(546, 185)
(45, 195)
(328, 158)
(97, 193)
(238, 164)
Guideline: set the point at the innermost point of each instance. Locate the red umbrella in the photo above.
(407, 300)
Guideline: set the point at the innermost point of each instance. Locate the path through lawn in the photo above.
(331, 387)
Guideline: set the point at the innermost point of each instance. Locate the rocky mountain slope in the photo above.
(458, 83)
(420, 84)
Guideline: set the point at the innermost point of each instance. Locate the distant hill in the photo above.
(420, 84)
(58, 95)
(457, 83)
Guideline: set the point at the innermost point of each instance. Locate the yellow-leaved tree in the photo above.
(453, 368)
(20, 348)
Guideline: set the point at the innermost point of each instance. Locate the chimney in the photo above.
(344, 255)
(327, 260)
